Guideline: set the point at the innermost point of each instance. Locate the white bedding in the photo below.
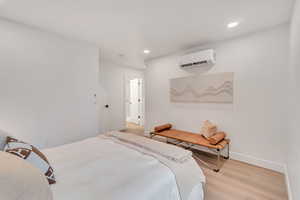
(95, 169)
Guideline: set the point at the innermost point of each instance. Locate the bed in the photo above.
(101, 168)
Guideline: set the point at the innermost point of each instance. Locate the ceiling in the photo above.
(124, 28)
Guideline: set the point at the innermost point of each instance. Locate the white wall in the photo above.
(47, 86)
(112, 84)
(294, 136)
(257, 121)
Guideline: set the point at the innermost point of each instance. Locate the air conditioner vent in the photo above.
(198, 59)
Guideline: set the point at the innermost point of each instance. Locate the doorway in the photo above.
(134, 105)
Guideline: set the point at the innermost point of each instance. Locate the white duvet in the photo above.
(99, 169)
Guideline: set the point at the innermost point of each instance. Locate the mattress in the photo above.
(96, 168)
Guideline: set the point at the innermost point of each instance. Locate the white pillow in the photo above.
(19, 180)
(31, 154)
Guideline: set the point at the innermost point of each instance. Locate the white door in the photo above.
(134, 114)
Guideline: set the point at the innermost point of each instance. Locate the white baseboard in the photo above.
(279, 167)
(287, 182)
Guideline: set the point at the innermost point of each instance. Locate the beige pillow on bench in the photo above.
(208, 129)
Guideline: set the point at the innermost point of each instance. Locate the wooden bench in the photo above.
(193, 139)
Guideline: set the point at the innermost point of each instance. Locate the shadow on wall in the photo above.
(204, 106)
(198, 70)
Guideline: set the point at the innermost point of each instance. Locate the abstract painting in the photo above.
(209, 88)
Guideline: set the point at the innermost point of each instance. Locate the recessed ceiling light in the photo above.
(232, 24)
(147, 51)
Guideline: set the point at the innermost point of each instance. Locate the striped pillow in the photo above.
(32, 155)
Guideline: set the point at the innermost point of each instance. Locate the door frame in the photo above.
(127, 79)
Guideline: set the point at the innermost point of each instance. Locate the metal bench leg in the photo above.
(218, 161)
(228, 149)
(152, 135)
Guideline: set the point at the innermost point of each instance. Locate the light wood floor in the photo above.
(133, 128)
(239, 181)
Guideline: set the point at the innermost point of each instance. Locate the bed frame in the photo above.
(192, 140)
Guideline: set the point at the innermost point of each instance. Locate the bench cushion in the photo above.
(192, 138)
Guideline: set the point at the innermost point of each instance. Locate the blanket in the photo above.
(178, 160)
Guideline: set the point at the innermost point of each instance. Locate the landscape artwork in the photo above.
(208, 88)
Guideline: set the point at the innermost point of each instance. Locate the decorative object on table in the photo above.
(210, 88)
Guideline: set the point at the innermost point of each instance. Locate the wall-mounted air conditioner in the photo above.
(198, 59)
